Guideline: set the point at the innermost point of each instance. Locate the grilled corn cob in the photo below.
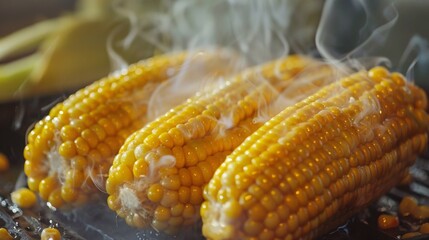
(70, 151)
(158, 176)
(311, 167)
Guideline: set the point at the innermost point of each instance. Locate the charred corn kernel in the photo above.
(410, 235)
(85, 132)
(407, 205)
(424, 228)
(50, 234)
(183, 148)
(4, 163)
(5, 235)
(386, 221)
(24, 198)
(318, 188)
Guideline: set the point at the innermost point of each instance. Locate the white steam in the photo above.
(256, 30)
(416, 55)
(374, 19)
(192, 77)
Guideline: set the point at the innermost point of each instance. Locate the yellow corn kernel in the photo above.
(319, 188)
(47, 186)
(50, 234)
(24, 198)
(424, 228)
(5, 235)
(386, 221)
(155, 193)
(4, 163)
(84, 132)
(421, 212)
(181, 150)
(410, 235)
(407, 205)
(33, 184)
(56, 199)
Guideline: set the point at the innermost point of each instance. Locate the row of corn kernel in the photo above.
(298, 192)
(196, 139)
(70, 151)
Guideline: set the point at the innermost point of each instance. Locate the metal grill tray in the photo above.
(96, 221)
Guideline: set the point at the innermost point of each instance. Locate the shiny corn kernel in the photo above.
(407, 205)
(162, 213)
(33, 183)
(89, 127)
(24, 198)
(140, 168)
(184, 194)
(69, 133)
(191, 141)
(155, 193)
(386, 221)
(68, 193)
(421, 212)
(50, 234)
(349, 164)
(171, 182)
(55, 198)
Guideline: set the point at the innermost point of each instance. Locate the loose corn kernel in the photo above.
(424, 228)
(50, 234)
(24, 198)
(386, 221)
(407, 205)
(421, 212)
(180, 151)
(4, 163)
(85, 131)
(351, 165)
(5, 235)
(410, 235)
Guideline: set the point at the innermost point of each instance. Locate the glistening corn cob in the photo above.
(306, 171)
(70, 151)
(158, 176)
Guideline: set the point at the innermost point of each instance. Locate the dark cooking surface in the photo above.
(95, 221)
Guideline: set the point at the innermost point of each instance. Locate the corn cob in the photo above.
(311, 167)
(70, 151)
(158, 176)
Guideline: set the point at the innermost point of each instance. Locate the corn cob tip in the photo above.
(69, 152)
